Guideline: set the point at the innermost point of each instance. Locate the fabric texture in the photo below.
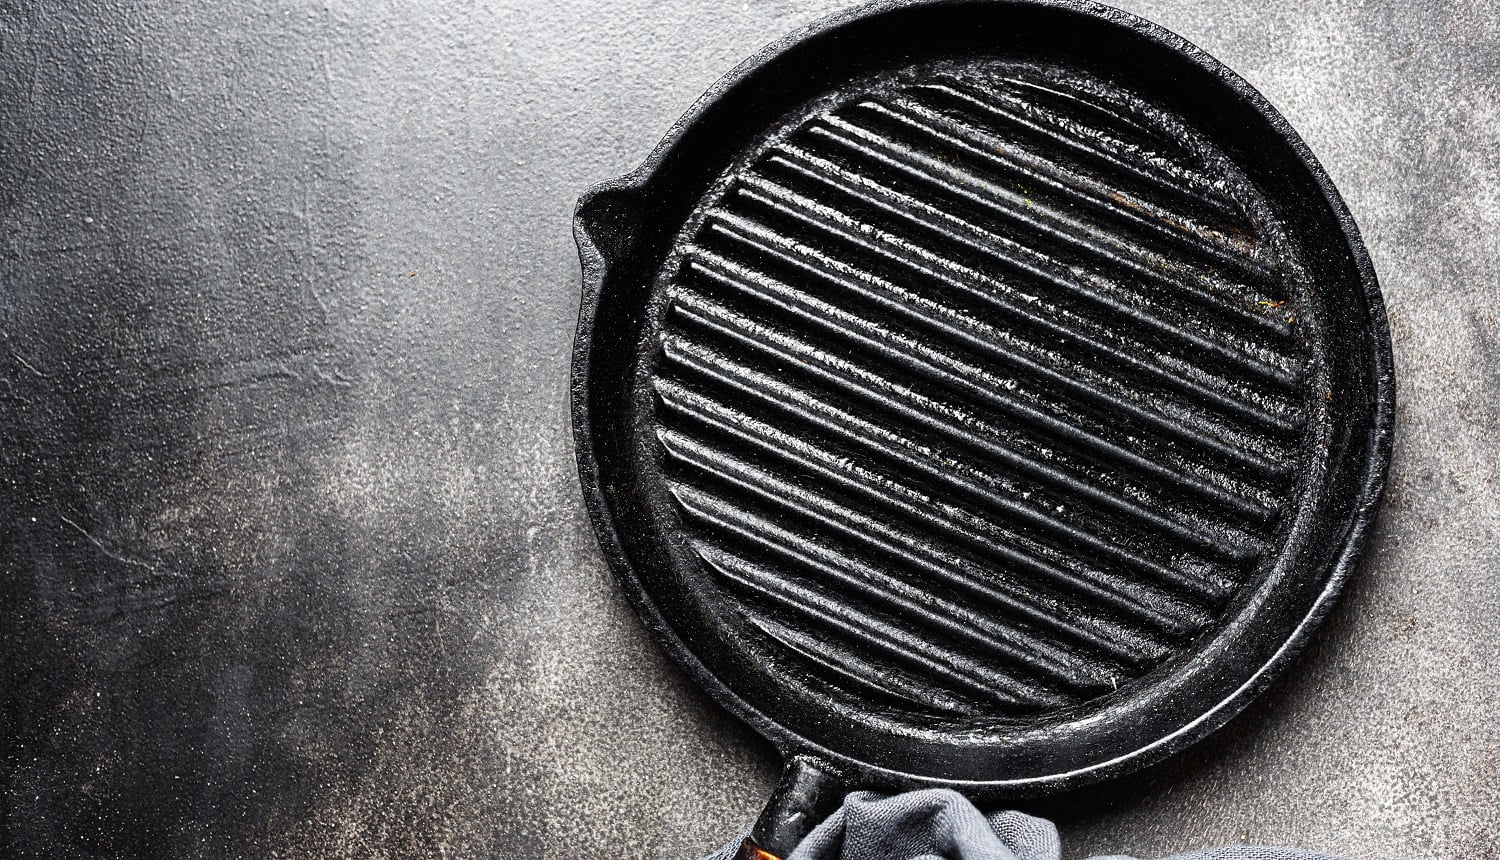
(938, 824)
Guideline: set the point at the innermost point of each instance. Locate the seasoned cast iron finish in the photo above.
(980, 394)
(809, 791)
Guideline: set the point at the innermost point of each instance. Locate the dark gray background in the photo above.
(294, 559)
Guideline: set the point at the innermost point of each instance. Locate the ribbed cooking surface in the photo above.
(980, 388)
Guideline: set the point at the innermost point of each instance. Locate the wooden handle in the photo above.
(750, 851)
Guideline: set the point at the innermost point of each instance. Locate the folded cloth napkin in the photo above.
(938, 824)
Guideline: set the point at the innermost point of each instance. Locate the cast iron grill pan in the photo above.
(989, 395)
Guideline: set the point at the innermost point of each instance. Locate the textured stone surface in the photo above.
(294, 561)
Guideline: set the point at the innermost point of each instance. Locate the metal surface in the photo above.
(400, 638)
(999, 411)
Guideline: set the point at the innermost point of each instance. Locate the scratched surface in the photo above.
(293, 557)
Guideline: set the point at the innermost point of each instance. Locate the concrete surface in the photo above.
(294, 560)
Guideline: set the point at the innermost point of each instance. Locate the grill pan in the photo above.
(991, 395)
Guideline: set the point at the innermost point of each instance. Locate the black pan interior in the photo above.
(980, 394)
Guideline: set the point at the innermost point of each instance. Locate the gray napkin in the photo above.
(938, 824)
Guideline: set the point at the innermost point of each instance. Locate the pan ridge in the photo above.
(917, 364)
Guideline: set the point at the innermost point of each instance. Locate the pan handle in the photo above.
(809, 791)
